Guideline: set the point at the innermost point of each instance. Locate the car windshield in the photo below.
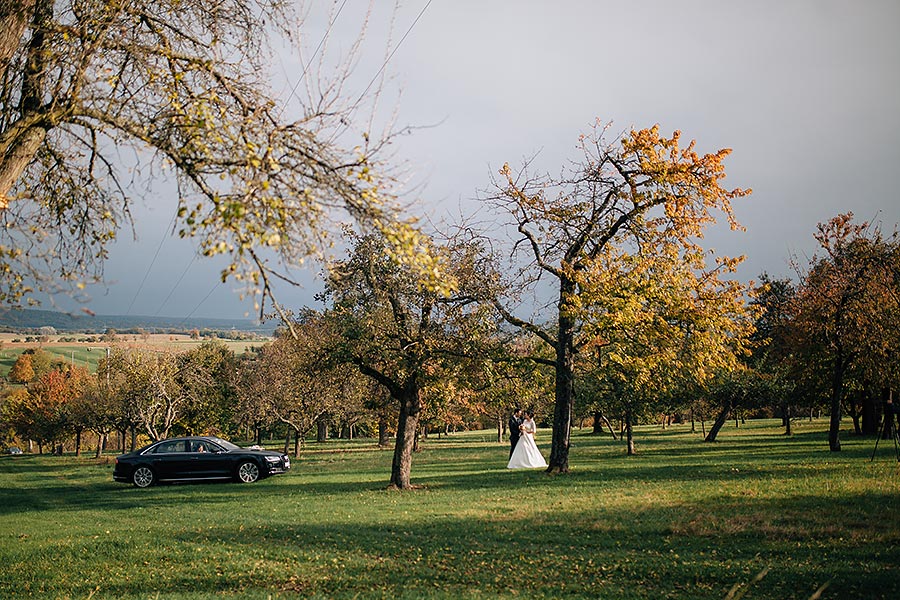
(228, 446)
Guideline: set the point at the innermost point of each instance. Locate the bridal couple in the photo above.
(523, 452)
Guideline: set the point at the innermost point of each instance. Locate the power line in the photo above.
(174, 287)
(391, 55)
(199, 304)
(315, 52)
(152, 262)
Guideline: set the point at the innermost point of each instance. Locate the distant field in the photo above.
(755, 515)
(87, 354)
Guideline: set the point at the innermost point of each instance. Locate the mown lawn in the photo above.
(755, 515)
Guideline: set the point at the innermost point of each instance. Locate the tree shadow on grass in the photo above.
(683, 551)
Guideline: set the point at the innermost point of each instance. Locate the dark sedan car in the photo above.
(197, 458)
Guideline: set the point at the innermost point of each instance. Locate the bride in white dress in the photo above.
(526, 454)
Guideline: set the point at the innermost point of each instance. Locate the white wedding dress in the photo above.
(526, 454)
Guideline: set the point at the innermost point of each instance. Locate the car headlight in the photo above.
(273, 459)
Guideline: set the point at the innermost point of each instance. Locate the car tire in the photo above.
(143, 477)
(247, 471)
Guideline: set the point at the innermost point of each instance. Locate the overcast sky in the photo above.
(807, 94)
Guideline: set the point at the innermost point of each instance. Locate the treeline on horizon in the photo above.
(32, 321)
(825, 343)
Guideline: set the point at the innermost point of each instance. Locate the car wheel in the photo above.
(143, 477)
(247, 472)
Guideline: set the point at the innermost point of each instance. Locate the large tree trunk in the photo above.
(786, 415)
(14, 17)
(629, 432)
(599, 421)
(565, 383)
(322, 428)
(837, 391)
(719, 423)
(101, 444)
(25, 136)
(410, 405)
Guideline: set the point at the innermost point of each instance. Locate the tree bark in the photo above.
(30, 131)
(837, 391)
(565, 382)
(719, 423)
(629, 432)
(14, 17)
(597, 426)
(383, 436)
(599, 421)
(410, 406)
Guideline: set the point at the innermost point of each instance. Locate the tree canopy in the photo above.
(641, 195)
(98, 98)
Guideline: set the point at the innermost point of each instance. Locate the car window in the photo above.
(225, 444)
(170, 447)
(204, 446)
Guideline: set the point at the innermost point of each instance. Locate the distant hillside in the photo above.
(28, 319)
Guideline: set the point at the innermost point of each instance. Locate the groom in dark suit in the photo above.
(515, 421)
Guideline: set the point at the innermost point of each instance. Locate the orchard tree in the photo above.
(13, 419)
(302, 382)
(400, 333)
(203, 377)
(101, 410)
(252, 407)
(147, 382)
(773, 355)
(663, 323)
(732, 390)
(49, 408)
(637, 194)
(32, 364)
(845, 326)
(98, 98)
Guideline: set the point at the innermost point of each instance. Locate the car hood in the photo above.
(256, 451)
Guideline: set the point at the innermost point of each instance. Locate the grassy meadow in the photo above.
(754, 515)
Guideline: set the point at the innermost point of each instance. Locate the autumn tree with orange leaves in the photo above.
(636, 195)
(44, 415)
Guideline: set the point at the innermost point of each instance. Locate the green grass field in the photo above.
(755, 515)
(88, 356)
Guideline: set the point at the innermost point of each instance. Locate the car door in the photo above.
(170, 459)
(208, 460)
